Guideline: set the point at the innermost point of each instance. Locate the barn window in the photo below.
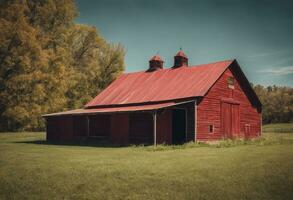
(230, 82)
(247, 128)
(211, 128)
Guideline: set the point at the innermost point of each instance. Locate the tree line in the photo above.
(277, 103)
(49, 63)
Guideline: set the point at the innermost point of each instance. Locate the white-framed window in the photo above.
(230, 82)
(211, 128)
(247, 128)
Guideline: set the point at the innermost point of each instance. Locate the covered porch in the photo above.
(163, 123)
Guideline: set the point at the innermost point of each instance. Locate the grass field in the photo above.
(32, 169)
(279, 128)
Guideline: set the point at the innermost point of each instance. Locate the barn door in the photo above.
(235, 119)
(230, 119)
(226, 120)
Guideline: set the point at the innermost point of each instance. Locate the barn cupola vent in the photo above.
(156, 63)
(180, 59)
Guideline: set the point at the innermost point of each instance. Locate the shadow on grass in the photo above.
(106, 144)
(92, 142)
(83, 143)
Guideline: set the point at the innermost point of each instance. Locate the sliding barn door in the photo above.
(235, 119)
(230, 119)
(226, 120)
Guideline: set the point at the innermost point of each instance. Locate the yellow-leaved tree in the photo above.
(48, 63)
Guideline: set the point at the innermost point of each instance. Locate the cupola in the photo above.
(180, 59)
(155, 63)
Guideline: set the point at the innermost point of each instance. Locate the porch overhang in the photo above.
(119, 109)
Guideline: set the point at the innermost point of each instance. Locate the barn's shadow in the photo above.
(86, 143)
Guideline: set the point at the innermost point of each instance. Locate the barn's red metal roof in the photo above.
(150, 107)
(161, 85)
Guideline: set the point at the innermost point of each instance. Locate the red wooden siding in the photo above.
(209, 111)
(235, 116)
(226, 119)
(230, 120)
(60, 128)
(164, 127)
(99, 126)
(190, 109)
(140, 128)
(80, 126)
(120, 129)
(51, 129)
(66, 128)
(135, 128)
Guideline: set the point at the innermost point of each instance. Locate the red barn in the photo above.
(174, 105)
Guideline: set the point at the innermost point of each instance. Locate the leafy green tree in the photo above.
(23, 67)
(95, 64)
(277, 103)
(48, 63)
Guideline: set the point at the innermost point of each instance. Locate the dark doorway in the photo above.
(178, 126)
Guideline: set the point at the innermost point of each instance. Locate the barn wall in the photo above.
(59, 128)
(209, 110)
(51, 129)
(140, 128)
(190, 121)
(99, 126)
(119, 129)
(66, 128)
(80, 126)
(164, 127)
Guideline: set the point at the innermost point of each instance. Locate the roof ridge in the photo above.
(170, 68)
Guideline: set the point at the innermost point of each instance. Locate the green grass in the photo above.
(260, 169)
(278, 128)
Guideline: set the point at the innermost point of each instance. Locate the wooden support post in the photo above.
(87, 126)
(195, 120)
(155, 127)
(186, 123)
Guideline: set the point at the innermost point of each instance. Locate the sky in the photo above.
(258, 33)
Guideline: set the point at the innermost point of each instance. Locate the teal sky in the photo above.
(258, 33)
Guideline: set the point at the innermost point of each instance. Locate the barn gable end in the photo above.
(244, 104)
